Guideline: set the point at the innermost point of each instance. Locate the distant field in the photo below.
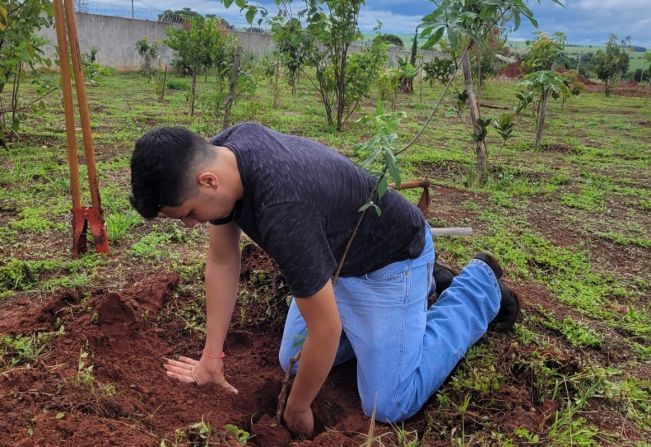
(637, 60)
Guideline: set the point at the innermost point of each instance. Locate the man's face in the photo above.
(206, 203)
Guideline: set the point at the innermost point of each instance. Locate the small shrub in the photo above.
(177, 84)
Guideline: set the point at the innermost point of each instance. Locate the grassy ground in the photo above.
(571, 224)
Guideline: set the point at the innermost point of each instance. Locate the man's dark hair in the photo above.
(161, 167)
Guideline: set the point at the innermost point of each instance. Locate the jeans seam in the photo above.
(488, 270)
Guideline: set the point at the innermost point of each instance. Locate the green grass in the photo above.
(596, 190)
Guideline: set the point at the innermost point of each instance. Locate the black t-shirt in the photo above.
(300, 205)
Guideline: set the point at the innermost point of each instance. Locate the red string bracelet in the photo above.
(221, 355)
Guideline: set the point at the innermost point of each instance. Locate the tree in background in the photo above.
(438, 69)
(201, 43)
(467, 24)
(610, 62)
(148, 51)
(389, 39)
(178, 16)
(21, 48)
(334, 24)
(293, 43)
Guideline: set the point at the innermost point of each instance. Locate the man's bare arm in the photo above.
(317, 357)
(222, 279)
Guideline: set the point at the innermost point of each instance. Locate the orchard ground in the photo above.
(83, 340)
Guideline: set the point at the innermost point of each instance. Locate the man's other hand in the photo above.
(299, 422)
(206, 370)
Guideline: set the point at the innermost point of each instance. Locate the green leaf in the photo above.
(364, 207)
(60, 415)
(227, 3)
(250, 14)
(382, 187)
(392, 167)
(241, 3)
(435, 37)
(452, 37)
(377, 209)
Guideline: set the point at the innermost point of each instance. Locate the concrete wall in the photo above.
(115, 39)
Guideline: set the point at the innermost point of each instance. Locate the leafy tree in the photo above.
(389, 39)
(178, 16)
(148, 51)
(545, 84)
(334, 24)
(467, 24)
(407, 74)
(438, 69)
(294, 44)
(21, 48)
(201, 43)
(610, 62)
(387, 85)
(544, 51)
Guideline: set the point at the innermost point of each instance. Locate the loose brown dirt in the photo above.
(44, 403)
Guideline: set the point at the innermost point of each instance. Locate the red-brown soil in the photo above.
(127, 348)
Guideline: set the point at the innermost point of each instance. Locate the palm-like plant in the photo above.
(543, 84)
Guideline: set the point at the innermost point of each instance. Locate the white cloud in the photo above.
(627, 6)
(391, 22)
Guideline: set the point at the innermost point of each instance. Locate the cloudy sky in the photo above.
(584, 21)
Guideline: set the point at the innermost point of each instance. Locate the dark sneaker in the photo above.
(492, 263)
(509, 310)
(443, 276)
(509, 304)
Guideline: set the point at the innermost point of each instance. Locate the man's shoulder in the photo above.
(245, 129)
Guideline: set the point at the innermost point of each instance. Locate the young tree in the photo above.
(390, 39)
(467, 24)
(438, 69)
(333, 23)
(543, 82)
(148, 51)
(610, 62)
(20, 48)
(200, 43)
(293, 43)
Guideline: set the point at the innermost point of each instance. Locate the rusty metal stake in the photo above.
(82, 217)
(425, 199)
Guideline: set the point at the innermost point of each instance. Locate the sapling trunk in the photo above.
(541, 117)
(162, 94)
(228, 105)
(480, 148)
(194, 89)
(276, 84)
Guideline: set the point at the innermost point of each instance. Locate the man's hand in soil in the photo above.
(206, 370)
(299, 422)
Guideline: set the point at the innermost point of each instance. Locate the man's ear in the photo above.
(208, 179)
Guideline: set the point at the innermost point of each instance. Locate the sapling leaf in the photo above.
(382, 187)
(392, 167)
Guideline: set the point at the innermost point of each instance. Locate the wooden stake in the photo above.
(68, 107)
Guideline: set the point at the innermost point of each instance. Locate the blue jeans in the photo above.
(404, 350)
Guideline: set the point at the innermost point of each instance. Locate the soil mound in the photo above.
(99, 378)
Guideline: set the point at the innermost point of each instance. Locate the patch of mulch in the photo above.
(629, 88)
(559, 147)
